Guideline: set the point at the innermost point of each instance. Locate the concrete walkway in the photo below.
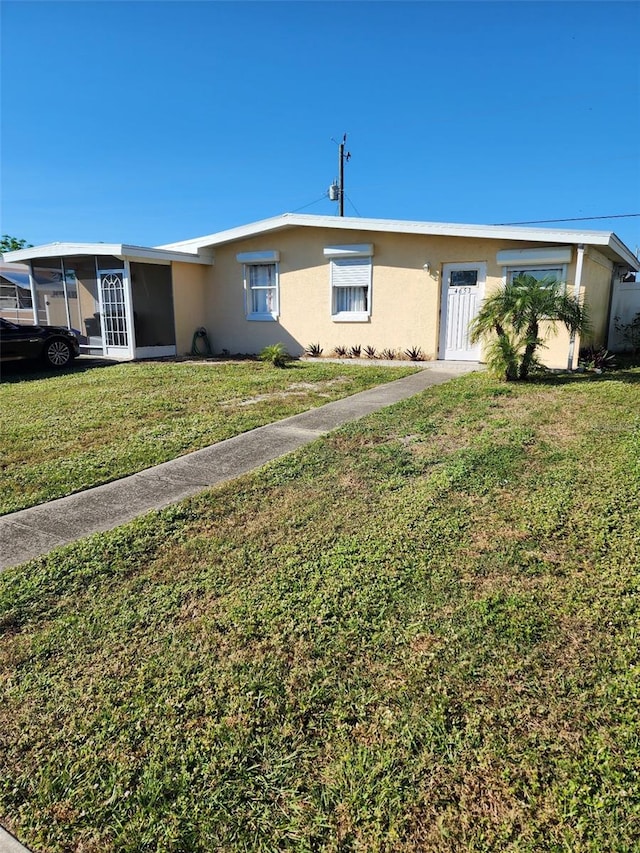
(10, 844)
(31, 532)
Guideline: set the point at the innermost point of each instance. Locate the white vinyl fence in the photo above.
(625, 304)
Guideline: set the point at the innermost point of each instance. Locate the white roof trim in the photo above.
(198, 250)
(622, 251)
(119, 250)
(606, 239)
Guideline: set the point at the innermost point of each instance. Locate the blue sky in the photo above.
(149, 122)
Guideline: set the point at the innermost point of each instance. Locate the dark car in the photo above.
(54, 345)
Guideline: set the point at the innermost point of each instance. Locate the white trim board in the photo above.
(118, 250)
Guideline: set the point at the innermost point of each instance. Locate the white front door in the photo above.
(461, 297)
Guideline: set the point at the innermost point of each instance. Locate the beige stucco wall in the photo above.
(404, 299)
(190, 282)
(596, 289)
(405, 304)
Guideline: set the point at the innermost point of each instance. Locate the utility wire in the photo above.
(304, 206)
(322, 197)
(526, 222)
(353, 206)
(570, 219)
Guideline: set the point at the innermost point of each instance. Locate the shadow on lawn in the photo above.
(26, 371)
(622, 374)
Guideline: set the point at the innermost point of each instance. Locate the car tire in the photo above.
(58, 353)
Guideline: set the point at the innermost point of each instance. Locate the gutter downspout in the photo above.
(576, 293)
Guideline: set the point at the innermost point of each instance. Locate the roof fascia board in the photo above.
(118, 250)
(454, 229)
(133, 253)
(616, 245)
(262, 226)
(53, 250)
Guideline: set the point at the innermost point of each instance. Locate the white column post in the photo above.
(128, 302)
(576, 293)
(34, 298)
(103, 333)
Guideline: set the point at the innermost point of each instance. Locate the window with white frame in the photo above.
(549, 263)
(539, 273)
(350, 280)
(260, 284)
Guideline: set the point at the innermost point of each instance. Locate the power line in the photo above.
(570, 219)
(526, 222)
(322, 197)
(353, 206)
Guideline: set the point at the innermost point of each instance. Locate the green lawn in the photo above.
(417, 634)
(63, 433)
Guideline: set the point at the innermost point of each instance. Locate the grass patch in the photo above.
(419, 633)
(64, 433)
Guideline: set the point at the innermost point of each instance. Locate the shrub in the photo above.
(341, 351)
(355, 351)
(388, 354)
(596, 358)
(370, 351)
(414, 354)
(513, 317)
(501, 356)
(276, 354)
(630, 332)
(314, 350)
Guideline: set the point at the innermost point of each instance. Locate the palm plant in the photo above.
(276, 354)
(512, 318)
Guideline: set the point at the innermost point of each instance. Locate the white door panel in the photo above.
(462, 294)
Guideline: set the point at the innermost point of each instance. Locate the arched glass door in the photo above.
(114, 311)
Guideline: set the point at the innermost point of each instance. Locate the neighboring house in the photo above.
(300, 279)
(15, 293)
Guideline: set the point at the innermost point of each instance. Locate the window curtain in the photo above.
(351, 299)
(350, 279)
(262, 286)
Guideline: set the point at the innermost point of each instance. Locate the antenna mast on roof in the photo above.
(336, 190)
